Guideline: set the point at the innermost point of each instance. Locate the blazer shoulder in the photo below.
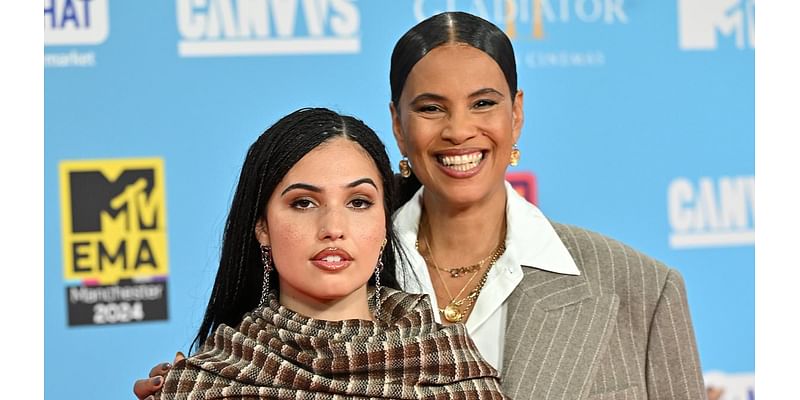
(609, 264)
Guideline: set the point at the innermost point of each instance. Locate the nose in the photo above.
(332, 225)
(459, 128)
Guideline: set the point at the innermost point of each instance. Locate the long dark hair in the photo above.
(444, 28)
(237, 287)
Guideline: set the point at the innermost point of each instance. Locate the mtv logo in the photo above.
(113, 219)
(702, 21)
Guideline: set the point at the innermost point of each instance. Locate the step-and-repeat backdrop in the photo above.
(639, 124)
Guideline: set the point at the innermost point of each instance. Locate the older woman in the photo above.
(564, 313)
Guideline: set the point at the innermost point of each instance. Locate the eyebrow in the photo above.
(303, 186)
(485, 91)
(315, 189)
(361, 182)
(427, 96)
(438, 97)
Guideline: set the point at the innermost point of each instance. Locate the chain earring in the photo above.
(515, 154)
(405, 168)
(266, 259)
(378, 270)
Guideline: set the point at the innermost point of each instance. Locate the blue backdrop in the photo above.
(639, 124)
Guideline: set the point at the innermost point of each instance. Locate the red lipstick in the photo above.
(332, 259)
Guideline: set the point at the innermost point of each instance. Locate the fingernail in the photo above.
(166, 365)
(156, 380)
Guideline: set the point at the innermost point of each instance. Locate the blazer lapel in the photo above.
(556, 330)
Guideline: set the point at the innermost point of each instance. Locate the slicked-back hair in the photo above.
(237, 287)
(445, 28)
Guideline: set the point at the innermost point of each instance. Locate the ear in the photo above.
(397, 129)
(517, 115)
(262, 232)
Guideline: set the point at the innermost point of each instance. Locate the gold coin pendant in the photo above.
(452, 313)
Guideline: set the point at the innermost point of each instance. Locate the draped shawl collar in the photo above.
(276, 353)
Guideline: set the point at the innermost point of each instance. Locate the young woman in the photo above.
(303, 305)
(561, 312)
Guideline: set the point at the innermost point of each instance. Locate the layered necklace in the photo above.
(458, 307)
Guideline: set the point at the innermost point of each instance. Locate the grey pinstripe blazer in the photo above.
(620, 330)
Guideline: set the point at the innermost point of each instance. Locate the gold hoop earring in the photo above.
(515, 154)
(405, 168)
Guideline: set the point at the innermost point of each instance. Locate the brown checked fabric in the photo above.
(278, 354)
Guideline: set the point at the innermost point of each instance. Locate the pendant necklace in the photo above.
(457, 308)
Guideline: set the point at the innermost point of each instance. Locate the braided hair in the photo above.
(237, 287)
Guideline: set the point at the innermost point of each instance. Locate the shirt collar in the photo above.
(533, 239)
(530, 238)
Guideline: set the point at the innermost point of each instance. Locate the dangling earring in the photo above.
(405, 168)
(515, 154)
(378, 270)
(266, 259)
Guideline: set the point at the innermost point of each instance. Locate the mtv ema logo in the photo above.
(724, 386)
(211, 28)
(712, 213)
(702, 22)
(114, 240)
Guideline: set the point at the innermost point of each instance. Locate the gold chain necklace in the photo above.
(429, 258)
(456, 309)
(456, 272)
(453, 312)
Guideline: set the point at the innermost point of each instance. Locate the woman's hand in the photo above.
(144, 389)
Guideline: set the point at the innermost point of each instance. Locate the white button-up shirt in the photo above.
(530, 242)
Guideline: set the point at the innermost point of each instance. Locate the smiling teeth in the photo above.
(332, 259)
(464, 162)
